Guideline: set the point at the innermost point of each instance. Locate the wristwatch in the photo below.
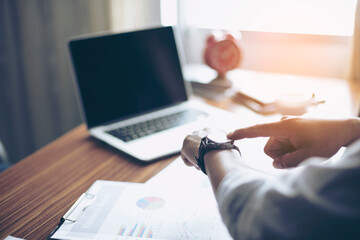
(213, 142)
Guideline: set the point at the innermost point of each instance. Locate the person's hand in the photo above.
(294, 139)
(190, 148)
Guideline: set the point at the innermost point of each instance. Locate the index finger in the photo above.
(275, 129)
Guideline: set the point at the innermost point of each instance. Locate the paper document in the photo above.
(135, 211)
(188, 179)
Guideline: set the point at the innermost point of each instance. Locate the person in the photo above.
(316, 198)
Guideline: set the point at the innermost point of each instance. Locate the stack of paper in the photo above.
(178, 203)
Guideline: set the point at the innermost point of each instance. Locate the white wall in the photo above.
(314, 55)
(134, 14)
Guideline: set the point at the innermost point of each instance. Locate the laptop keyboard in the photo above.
(138, 130)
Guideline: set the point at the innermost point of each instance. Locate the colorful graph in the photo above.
(150, 203)
(122, 231)
(131, 233)
(136, 231)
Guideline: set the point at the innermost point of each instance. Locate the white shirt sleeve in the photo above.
(315, 201)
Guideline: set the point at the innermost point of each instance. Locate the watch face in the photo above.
(219, 137)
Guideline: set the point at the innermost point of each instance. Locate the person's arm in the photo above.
(217, 163)
(317, 201)
(310, 202)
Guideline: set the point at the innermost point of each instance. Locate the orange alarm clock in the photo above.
(223, 53)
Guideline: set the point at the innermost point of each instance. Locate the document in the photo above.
(123, 210)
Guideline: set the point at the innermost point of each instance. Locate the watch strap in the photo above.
(207, 145)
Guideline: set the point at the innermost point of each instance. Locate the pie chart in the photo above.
(149, 203)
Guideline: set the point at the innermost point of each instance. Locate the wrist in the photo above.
(219, 163)
(208, 145)
(229, 158)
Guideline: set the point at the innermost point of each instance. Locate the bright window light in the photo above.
(169, 12)
(324, 17)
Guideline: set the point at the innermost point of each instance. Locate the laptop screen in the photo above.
(127, 74)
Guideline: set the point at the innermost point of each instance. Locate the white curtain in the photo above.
(37, 95)
(135, 14)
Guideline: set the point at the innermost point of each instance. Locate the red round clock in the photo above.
(223, 54)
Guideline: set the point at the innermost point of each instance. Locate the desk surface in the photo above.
(37, 191)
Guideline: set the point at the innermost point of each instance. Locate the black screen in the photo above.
(126, 74)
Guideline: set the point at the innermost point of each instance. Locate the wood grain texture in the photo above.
(36, 192)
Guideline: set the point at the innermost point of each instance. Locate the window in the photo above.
(320, 17)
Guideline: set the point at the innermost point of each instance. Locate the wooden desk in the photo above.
(36, 192)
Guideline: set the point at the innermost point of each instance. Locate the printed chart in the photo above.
(139, 231)
(139, 211)
(150, 203)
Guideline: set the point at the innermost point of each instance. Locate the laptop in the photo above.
(132, 92)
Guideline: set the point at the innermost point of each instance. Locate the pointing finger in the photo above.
(276, 129)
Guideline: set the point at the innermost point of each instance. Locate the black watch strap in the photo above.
(207, 145)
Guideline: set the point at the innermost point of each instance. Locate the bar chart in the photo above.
(137, 230)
